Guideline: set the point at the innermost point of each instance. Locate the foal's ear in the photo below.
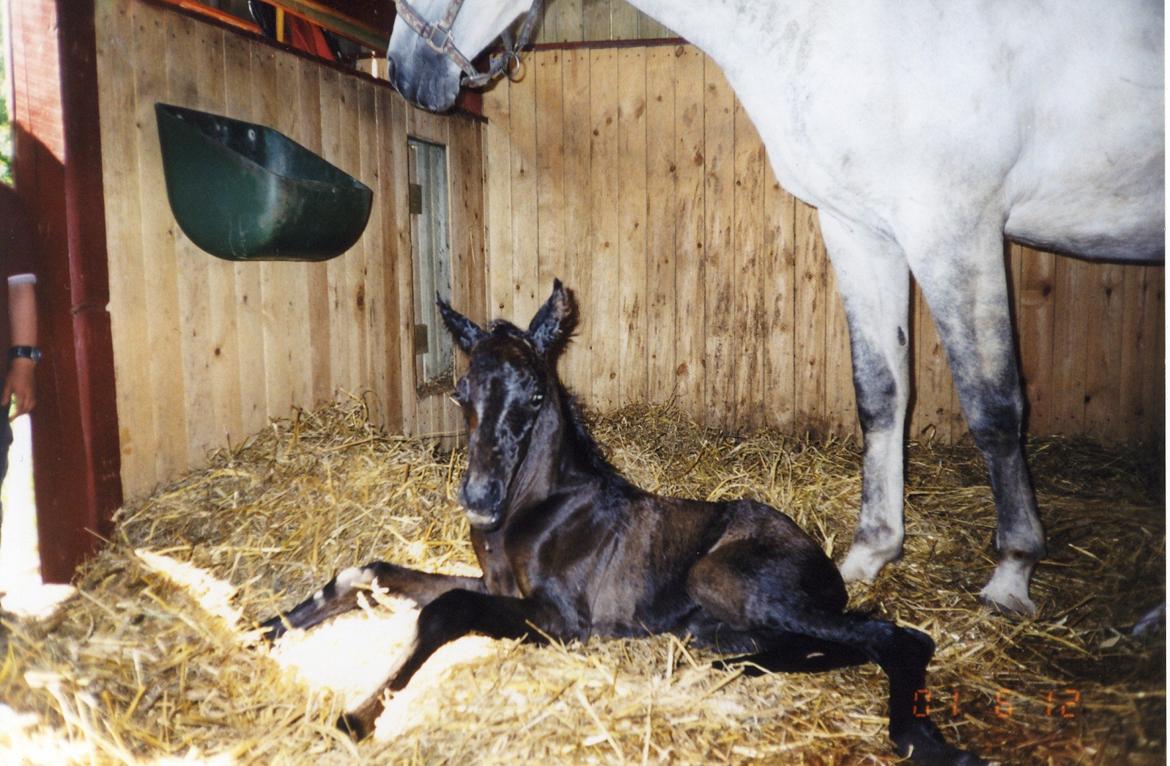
(465, 332)
(554, 323)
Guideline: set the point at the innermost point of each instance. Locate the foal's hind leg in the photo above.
(779, 584)
(340, 595)
(797, 653)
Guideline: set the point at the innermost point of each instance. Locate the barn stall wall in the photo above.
(634, 174)
(593, 20)
(206, 351)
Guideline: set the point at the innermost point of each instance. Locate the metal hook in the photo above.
(514, 68)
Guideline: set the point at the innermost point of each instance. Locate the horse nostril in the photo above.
(482, 495)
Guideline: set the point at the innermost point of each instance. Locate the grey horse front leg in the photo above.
(874, 281)
(966, 287)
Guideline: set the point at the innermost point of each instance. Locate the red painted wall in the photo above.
(57, 171)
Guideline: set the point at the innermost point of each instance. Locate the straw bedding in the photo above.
(155, 659)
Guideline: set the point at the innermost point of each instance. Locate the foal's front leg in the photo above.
(453, 615)
(340, 595)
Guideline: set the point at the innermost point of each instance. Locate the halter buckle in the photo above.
(438, 38)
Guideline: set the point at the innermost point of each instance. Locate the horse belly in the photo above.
(1097, 226)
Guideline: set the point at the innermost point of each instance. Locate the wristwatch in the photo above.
(24, 352)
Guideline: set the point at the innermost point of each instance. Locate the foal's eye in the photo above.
(536, 399)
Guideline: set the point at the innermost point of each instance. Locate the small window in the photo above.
(431, 253)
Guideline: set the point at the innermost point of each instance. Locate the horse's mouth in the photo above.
(482, 521)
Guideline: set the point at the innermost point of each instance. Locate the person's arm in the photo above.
(22, 313)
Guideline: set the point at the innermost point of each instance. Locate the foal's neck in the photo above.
(562, 454)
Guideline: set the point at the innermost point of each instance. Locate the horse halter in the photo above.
(438, 38)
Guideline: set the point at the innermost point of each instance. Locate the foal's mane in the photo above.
(585, 447)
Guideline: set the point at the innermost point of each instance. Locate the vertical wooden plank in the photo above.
(129, 327)
(223, 332)
(632, 149)
(1034, 321)
(651, 29)
(166, 391)
(396, 257)
(840, 405)
(317, 274)
(748, 252)
(1154, 380)
(412, 419)
(930, 419)
(289, 294)
(577, 89)
(720, 283)
(660, 223)
(570, 20)
(1068, 370)
(525, 222)
(354, 261)
(780, 299)
(690, 231)
(623, 21)
(595, 19)
(550, 24)
(249, 309)
(372, 299)
(267, 104)
(497, 107)
(1135, 352)
(604, 301)
(811, 276)
(467, 258)
(336, 271)
(550, 172)
(1103, 353)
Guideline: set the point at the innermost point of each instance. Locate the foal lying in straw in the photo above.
(569, 549)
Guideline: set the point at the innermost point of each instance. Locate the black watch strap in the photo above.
(24, 352)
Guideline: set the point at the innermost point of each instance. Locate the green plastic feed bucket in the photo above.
(245, 192)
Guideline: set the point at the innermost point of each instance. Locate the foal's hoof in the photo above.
(925, 745)
(353, 725)
(273, 628)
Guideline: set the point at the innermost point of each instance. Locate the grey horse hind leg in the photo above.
(874, 280)
(968, 296)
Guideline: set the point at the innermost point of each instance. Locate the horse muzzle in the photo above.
(483, 502)
(427, 80)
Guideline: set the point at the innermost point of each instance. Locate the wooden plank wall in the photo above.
(206, 351)
(578, 20)
(634, 175)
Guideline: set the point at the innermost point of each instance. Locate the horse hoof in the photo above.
(863, 563)
(1007, 590)
(273, 628)
(1008, 601)
(924, 744)
(353, 726)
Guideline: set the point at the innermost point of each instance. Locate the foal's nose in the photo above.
(482, 495)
